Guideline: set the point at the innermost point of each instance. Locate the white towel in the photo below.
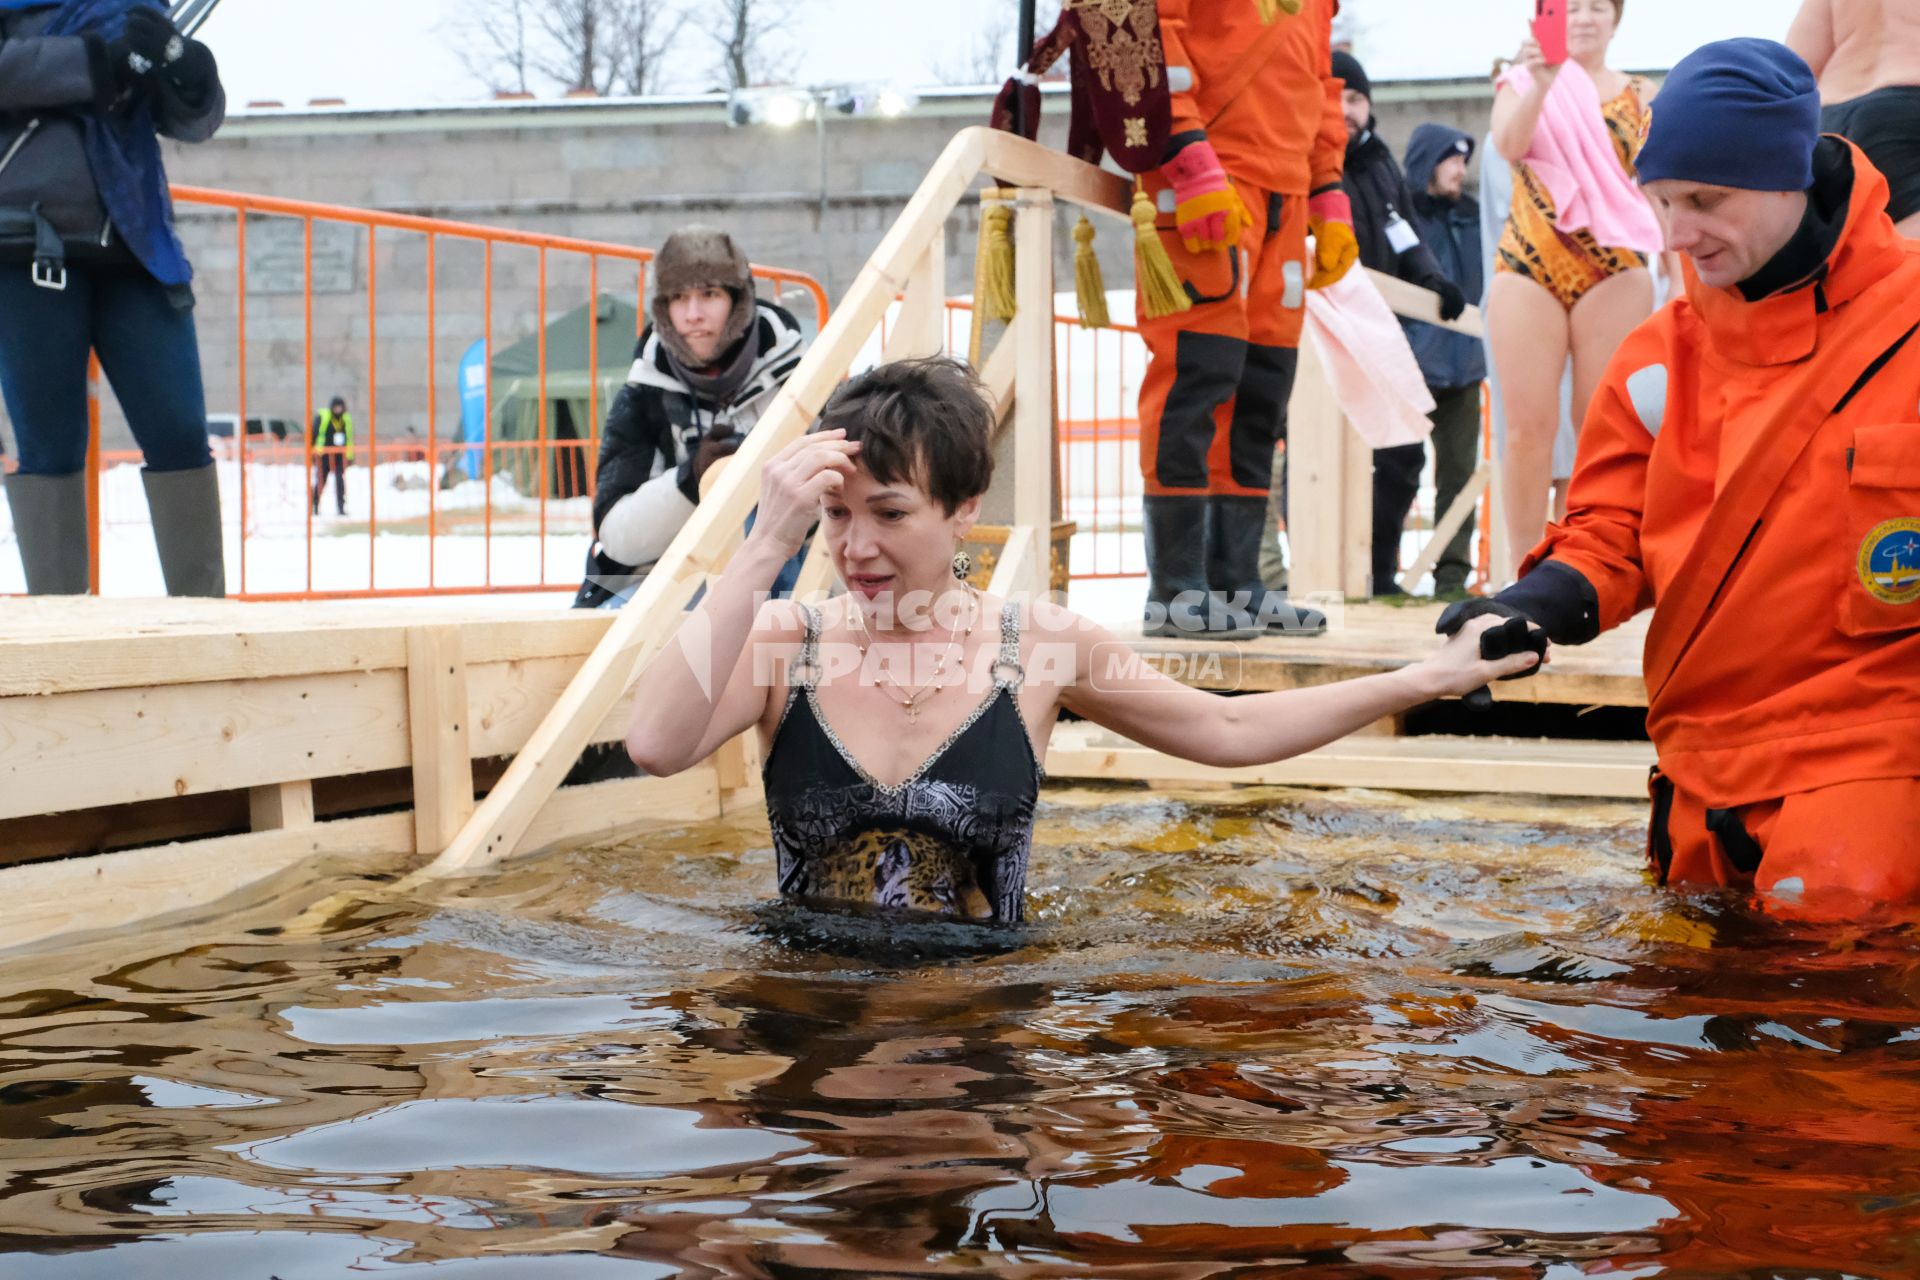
(1368, 362)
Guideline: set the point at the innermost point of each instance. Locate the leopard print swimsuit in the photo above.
(951, 840)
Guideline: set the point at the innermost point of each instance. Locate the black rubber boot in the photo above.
(185, 506)
(1233, 572)
(1396, 482)
(50, 523)
(1179, 605)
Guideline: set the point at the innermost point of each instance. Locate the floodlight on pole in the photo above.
(784, 108)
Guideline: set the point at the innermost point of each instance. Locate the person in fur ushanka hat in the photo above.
(710, 362)
(698, 261)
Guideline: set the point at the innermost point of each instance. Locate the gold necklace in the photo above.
(915, 694)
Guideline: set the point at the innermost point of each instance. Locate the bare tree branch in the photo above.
(990, 58)
(493, 41)
(598, 45)
(750, 35)
(643, 32)
(576, 51)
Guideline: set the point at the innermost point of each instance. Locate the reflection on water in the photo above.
(1273, 1033)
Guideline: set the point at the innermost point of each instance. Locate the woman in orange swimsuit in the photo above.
(1556, 293)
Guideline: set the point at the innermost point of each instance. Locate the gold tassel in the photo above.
(994, 218)
(996, 301)
(977, 327)
(1161, 293)
(1271, 9)
(1087, 281)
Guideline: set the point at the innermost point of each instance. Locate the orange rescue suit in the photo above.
(1212, 409)
(1751, 470)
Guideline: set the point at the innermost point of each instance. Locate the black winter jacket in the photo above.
(644, 488)
(1450, 229)
(47, 83)
(1374, 185)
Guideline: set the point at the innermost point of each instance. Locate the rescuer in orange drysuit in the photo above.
(1751, 469)
(1254, 163)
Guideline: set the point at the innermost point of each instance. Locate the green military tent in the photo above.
(577, 396)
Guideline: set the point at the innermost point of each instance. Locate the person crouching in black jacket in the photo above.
(89, 262)
(708, 365)
(1388, 243)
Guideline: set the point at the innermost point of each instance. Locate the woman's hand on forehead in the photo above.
(797, 479)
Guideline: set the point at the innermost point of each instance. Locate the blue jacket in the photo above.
(1451, 230)
(78, 147)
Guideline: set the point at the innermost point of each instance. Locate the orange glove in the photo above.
(1330, 218)
(1207, 207)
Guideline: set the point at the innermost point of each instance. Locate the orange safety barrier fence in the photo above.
(549, 480)
(530, 488)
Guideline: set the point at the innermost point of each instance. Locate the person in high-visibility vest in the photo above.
(332, 451)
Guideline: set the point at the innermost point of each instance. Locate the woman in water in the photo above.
(900, 720)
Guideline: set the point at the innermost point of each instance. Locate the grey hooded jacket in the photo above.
(47, 83)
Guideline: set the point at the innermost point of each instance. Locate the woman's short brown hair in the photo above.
(924, 422)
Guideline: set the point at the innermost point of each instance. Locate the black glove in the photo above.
(192, 74)
(123, 67)
(152, 35)
(1518, 634)
(148, 41)
(1452, 302)
(709, 451)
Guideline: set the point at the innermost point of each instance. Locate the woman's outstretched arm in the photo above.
(706, 686)
(1115, 686)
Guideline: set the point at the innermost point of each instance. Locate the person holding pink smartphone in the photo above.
(1570, 276)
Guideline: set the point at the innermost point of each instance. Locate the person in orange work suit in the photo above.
(1253, 165)
(1750, 468)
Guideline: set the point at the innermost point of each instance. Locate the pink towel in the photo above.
(1573, 154)
(1368, 362)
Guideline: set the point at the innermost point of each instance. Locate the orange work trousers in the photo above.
(1213, 404)
(1852, 842)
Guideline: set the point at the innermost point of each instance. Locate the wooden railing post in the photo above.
(1316, 480)
(920, 327)
(440, 735)
(1356, 513)
(280, 806)
(1033, 384)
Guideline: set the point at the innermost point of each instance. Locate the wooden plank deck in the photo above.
(1367, 638)
(191, 749)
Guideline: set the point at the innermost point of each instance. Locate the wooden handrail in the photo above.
(654, 614)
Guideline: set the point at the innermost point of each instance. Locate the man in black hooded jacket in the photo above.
(1389, 244)
(1454, 364)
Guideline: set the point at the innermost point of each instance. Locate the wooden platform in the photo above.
(1367, 638)
(157, 755)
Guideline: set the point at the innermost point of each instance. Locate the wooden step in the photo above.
(1532, 766)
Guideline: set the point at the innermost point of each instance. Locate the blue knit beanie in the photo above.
(1736, 113)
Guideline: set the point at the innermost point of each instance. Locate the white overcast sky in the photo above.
(379, 53)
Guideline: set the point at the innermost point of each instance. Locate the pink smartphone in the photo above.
(1550, 30)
